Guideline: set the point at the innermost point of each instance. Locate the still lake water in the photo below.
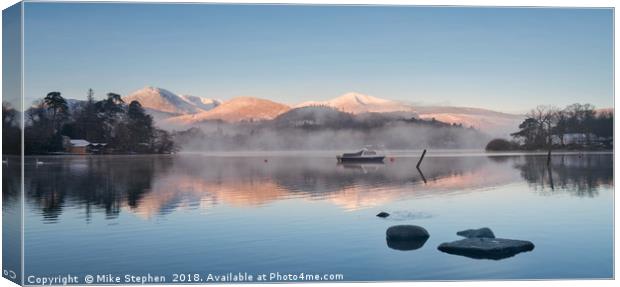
(302, 212)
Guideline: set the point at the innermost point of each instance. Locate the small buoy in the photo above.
(266, 160)
(392, 159)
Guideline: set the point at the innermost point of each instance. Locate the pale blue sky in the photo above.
(507, 59)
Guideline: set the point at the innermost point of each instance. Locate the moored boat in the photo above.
(364, 155)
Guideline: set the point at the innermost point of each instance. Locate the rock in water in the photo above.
(383, 214)
(486, 248)
(406, 232)
(484, 232)
(406, 237)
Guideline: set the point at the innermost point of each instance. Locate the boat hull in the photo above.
(361, 159)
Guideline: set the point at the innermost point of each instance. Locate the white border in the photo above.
(511, 3)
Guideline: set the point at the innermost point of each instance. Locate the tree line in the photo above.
(548, 126)
(125, 128)
(11, 133)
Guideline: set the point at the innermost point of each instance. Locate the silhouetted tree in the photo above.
(110, 112)
(544, 122)
(38, 129)
(163, 142)
(140, 124)
(11, 133)
(88, 123)
(561, 126)
(58, 105)
(529, 132)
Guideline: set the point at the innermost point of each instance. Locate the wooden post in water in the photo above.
(421, 158)
(549, 157)
(421, 175)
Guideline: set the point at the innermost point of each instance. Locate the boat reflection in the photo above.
(150, 186)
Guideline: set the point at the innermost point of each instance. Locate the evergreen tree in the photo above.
(139, 125)
(111, 113)
(88, 124)
(58, 105)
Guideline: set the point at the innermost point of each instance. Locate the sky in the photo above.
(505, 59)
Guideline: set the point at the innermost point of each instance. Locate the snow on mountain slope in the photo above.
(171, 109)
(357, 103)
(164, 101)
(200, 102)
(235, 110)
(491, 122)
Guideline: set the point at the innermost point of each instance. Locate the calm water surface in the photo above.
(302, 212)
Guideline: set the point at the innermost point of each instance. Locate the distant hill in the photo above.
(357, 103)
(492, 122)
(312, 116)
(235, 110)
(181, 111)
(163, 101)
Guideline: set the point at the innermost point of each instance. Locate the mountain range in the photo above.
(163, 104)
(179, 111)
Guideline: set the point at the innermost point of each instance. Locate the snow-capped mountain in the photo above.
(170, 109)
(200, 102)
(357, 103)
(494, 123)
(235, 110)
(163, 101)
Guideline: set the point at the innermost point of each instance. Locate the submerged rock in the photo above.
(484, 232)
(406, 237)
(383, 214)
(486, 248)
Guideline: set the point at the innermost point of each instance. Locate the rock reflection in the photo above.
(406, 245)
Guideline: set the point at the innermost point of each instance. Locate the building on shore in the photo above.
(81, 146)
(78, 146)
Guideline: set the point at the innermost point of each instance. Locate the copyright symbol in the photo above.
(89, 279)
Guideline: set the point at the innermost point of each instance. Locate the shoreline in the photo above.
(330, 153)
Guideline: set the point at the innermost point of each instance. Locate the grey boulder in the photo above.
(406, 232)
(484, 232)
(406, 237)
(486, 248)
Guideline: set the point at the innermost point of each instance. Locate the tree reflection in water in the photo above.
(157, 185)
(579, 174)
(102, 183)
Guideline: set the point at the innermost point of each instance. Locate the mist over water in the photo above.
(395, 135)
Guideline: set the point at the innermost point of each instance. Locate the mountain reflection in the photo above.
(156, 185)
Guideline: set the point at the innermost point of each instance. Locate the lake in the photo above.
(295, 212)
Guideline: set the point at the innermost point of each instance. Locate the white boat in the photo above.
(364, 155)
